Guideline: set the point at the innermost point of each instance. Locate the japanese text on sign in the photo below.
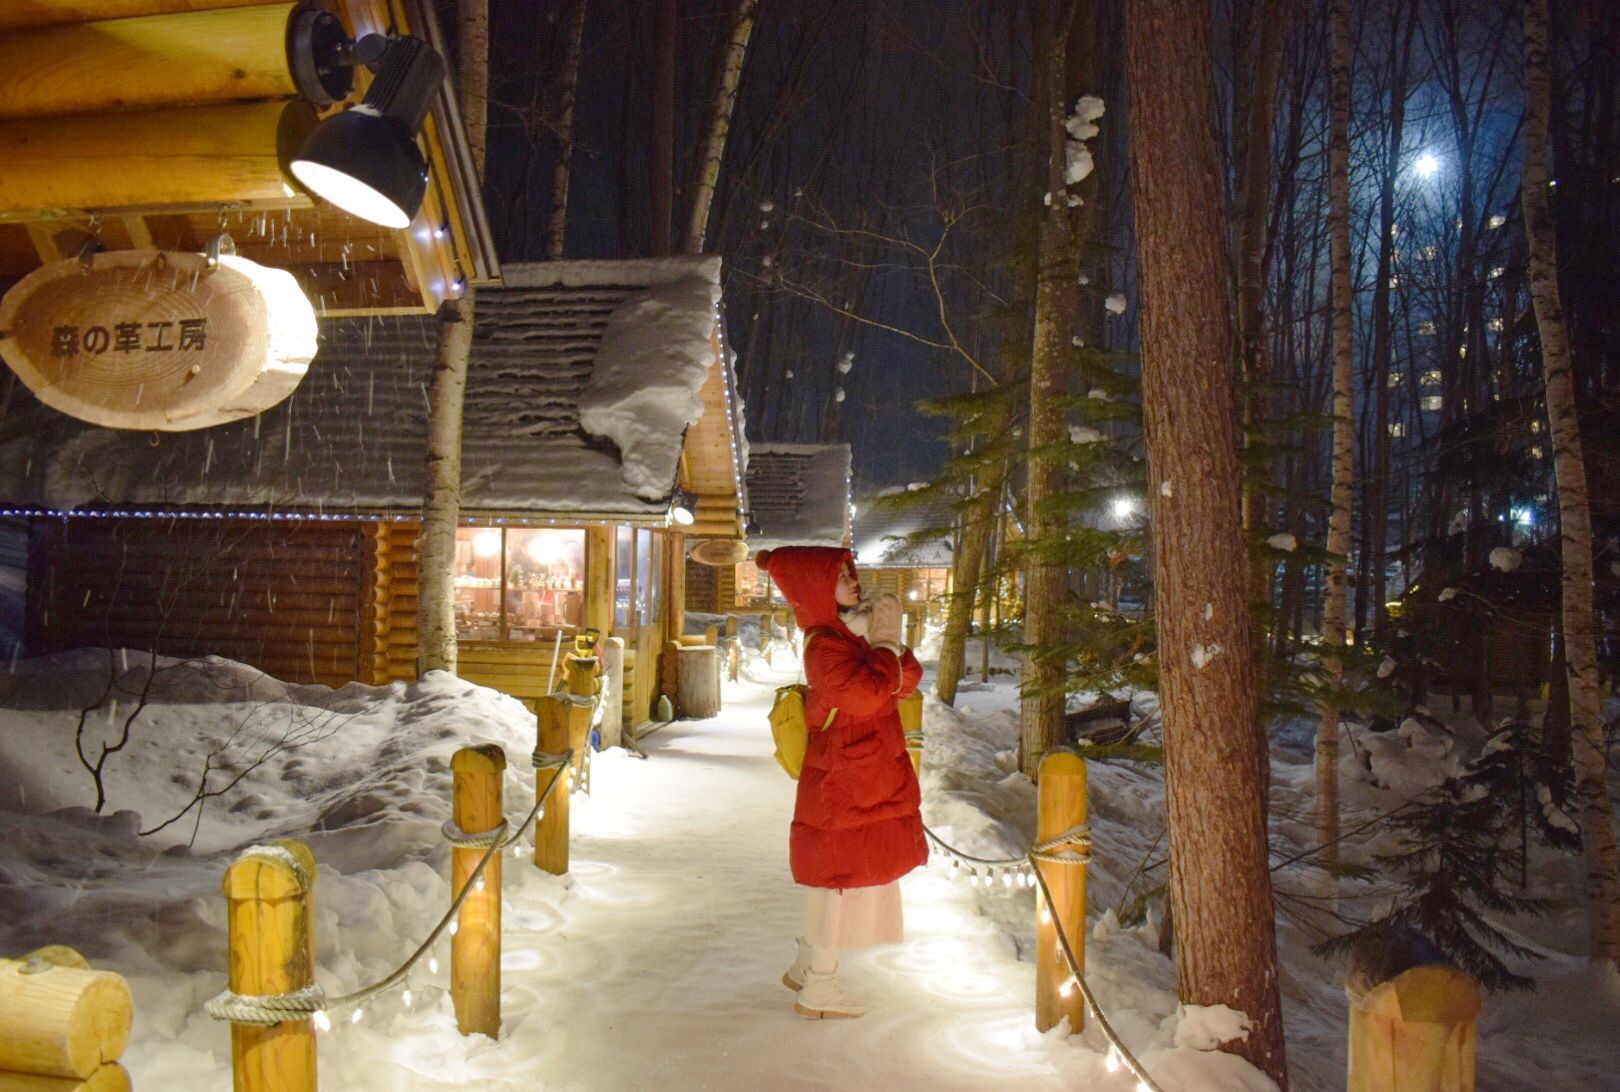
(131, 337)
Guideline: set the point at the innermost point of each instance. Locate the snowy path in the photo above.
(659, 963)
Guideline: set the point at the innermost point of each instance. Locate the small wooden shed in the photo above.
(289, 541)
(904, 544)
(798, 495)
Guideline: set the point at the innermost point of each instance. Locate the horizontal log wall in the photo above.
(288, 597)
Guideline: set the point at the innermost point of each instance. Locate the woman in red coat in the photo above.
(857, 823)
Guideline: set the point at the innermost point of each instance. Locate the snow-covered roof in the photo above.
(584, 380)
(885, 524)
(799, 494)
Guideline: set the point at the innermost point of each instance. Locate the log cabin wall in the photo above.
(290, 597)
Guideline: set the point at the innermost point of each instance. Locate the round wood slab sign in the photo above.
(149, 339)
(719, 551)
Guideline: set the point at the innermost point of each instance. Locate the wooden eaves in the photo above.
(155, 122)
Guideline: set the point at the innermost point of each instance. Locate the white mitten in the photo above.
(888, 618)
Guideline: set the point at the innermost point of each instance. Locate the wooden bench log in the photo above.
(109, 1078)
(59, 1018)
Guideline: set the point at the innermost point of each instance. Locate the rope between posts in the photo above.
(267, 1009)
(1136, 1067)
(1073, 846)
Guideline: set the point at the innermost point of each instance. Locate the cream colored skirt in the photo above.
(856, 917)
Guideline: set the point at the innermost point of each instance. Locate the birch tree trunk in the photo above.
(718, 123)
(1574, 505)
(441, 506)
(1056, 295)
(1334, 613)
(1216, 766)
(560, 173)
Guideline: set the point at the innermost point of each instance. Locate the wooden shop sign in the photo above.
(148, 339)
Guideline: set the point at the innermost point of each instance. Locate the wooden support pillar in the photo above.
(475, 948)
(58, 1018)
(911, 720)
(551, 829)
(599, 579)
(1415, 1032)
(674, 614)
(268, 891)
(914, 626)
(1061, 807)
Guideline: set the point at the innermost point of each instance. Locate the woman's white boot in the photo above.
(822, 999)
(793, 977)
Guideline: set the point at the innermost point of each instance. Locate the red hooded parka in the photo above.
(858, 819)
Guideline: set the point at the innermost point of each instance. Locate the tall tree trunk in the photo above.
(560, 174)
(1334, 613)
(1371, 610)
(1574, 505)
(967, 570)
(1216, 766)
(718, 122)
(663, 127)
(1056, 294)
(1254, 201)
(441, 505)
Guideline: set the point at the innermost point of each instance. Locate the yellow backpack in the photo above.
(790, 727)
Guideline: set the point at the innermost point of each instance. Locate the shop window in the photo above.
(750, 584)
(519, 585)
(623, 575)
(649, 578)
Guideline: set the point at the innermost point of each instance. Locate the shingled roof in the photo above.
(351, 438)
(896, 530)
(799, 494)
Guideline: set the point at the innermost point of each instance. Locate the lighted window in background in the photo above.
(647, 575)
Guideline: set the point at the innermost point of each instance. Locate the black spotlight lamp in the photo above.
(751, 526)
(365, 159)
(683, 507)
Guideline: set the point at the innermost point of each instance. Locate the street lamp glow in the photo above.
(1124, 507)
(1428, 164)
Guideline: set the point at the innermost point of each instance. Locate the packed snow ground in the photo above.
(655, 961)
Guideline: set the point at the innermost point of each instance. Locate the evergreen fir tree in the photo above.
(1463, 853)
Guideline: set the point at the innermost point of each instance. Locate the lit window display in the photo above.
(519, 585)
(649, 576)
(623, 575)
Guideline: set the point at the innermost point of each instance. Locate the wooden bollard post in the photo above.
(60, 1020)
(268, 891)
(1413, 1032)
(551, 829)
(584, 680)
(475, 949)
(733, 660)
(911, 720)
(1061, 806)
